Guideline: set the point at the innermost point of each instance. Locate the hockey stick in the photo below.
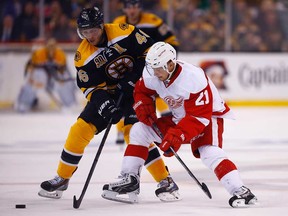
(77, 202)
(203, 186)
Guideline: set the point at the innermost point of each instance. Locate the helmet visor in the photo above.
(86, 33)
(149, 69)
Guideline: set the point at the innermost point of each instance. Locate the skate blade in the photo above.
(52, 195)
(129, 198)
(240, 203)
(169, 197)
(253, 201)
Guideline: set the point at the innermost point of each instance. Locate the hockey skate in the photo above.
(168, 190)
(53, 188)
(242, 198)
(125, 190)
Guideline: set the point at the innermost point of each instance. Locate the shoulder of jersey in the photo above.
(115, 32)
(41, 50)
(151, 19)
(192, 78)
(83, 52)
(150, 80)
(39, 54)
(118, 30)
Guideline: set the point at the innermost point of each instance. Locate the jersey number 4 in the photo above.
(202, 99)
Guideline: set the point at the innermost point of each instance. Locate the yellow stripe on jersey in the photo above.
(88, 91)
(117, 34)
(84, 52)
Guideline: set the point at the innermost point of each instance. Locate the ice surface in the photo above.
(30, 146)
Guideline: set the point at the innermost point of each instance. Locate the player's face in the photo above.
(160, 73)
(133, 13)
(93, 35)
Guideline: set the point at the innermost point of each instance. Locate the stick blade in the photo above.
(206, 190)
(76, 203)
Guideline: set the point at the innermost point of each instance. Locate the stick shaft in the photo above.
(77, 203)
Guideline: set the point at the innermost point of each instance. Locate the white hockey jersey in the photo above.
(191, 96)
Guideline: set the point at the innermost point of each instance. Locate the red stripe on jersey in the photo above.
(224, 167)
(220, 123)
(136, 151)
(223, 112)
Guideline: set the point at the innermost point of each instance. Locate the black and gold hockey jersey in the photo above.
(101, 68)
(154, 26)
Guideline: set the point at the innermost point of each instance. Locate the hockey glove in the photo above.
(109, 110)
(146, 112)
(173, 138)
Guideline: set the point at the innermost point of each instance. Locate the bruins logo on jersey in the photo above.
(119, 67)
(123, 26)
(77, 56)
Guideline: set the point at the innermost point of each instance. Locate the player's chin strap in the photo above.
(203, 186)
(170, 73)
(165, 67)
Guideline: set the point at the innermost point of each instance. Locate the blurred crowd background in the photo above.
(200, 25)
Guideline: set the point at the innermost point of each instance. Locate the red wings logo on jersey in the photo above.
(174, 103)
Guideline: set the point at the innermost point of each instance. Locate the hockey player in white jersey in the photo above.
(197, 119)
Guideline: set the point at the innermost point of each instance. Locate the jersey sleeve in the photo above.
(141, 92)
(91, 88)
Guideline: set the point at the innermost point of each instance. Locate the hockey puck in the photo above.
(20, 206)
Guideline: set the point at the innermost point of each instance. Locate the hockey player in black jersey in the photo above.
(157, 29)
(109, 61)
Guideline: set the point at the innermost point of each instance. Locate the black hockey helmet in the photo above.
(90, 18)
(132, 2)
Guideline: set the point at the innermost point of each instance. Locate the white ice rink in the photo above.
(30, 146)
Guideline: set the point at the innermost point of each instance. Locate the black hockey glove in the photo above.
(109, 110)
